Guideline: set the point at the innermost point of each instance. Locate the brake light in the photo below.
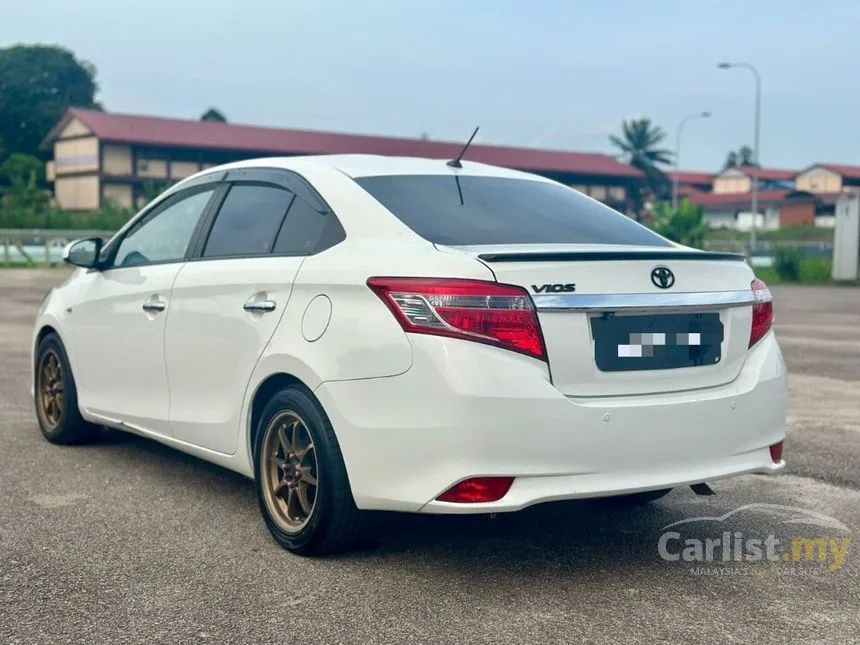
(762, 310)
(477, 490)
(486, 312)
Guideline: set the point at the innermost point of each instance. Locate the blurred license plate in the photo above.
(656, 342)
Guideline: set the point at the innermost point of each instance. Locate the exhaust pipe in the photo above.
(702, 489)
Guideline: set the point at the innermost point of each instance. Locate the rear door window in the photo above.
(248, 221)
(471, 210)
(301, 229)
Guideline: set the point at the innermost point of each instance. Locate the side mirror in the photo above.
(83, 253)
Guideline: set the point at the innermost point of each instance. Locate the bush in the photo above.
(107, 218)
(21, 168)
(24, 205)
(786, 263)
(685, 226)
(816, 271)
(812, 271)
(787, 234)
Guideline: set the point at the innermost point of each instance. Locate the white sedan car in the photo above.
(360, 332)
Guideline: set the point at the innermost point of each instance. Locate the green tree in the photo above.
(213, 114)
(639, 145)
(37, 84)
(746, 156)
(743, 158)
(685, 226)
(23, 202)
(731, 160)
(21, 167)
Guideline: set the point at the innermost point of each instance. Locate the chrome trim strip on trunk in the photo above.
(642, 301)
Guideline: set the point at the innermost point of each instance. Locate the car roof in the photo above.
(356, 166)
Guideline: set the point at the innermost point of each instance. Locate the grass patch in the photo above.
(788, 234)
(811, 271)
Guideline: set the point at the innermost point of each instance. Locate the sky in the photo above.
(559, 74)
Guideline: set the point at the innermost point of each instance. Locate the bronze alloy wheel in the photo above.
(290, 471)
(50, 389)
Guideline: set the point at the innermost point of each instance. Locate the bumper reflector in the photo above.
(776, 452)
(478, 489)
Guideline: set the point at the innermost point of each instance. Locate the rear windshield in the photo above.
(471, 210)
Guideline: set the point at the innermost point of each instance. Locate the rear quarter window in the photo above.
(470, 210)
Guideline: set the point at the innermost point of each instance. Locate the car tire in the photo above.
(56, 396)
(637, 499)
(285, 466)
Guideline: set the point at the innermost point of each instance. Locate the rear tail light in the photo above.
(486, 312)
(762, 318)
(478, 489)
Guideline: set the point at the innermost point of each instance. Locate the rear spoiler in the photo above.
(608, 256)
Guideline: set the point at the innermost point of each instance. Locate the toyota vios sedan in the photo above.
(362, 332)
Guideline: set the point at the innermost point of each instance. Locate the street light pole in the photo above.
(755, 168)
(676, 181)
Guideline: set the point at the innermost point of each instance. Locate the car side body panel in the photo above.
(415, 414)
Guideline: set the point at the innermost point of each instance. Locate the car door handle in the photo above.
(260, 306)
(154, 305)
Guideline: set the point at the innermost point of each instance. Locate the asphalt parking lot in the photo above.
(126, 541)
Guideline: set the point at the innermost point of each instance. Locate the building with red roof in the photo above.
(692, 180)
(824, 178)
(99, 155)
(738, 179)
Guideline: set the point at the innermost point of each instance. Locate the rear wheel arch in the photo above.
(270, 386)
(326, 521)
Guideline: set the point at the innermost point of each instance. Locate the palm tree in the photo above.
(639, 146)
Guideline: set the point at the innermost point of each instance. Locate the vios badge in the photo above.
(662, 277)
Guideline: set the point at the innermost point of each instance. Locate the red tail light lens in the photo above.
(762, 319)
(486, 312)
(478, 489)
(776, 452)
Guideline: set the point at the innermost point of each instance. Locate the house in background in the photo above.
(733, 210)
(828, 182)
(785, 197)
(739, 180)
(776, 208)
(788, 198)
(99, 156)
(689, 180)
(826, 178)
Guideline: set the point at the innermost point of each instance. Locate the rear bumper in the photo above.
(466, 410)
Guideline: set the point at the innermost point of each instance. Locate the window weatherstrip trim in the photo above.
(642, 301)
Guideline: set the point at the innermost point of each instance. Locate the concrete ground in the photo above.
(126, 541)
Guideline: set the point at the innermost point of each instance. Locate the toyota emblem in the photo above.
(662, 277)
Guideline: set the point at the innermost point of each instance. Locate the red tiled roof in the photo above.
(690, 191)
(691, 177)
(736, 201)
(768, 174)
(829, 198)
(850, 172)
(177, 133)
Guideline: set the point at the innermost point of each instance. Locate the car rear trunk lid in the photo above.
(620, 320)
